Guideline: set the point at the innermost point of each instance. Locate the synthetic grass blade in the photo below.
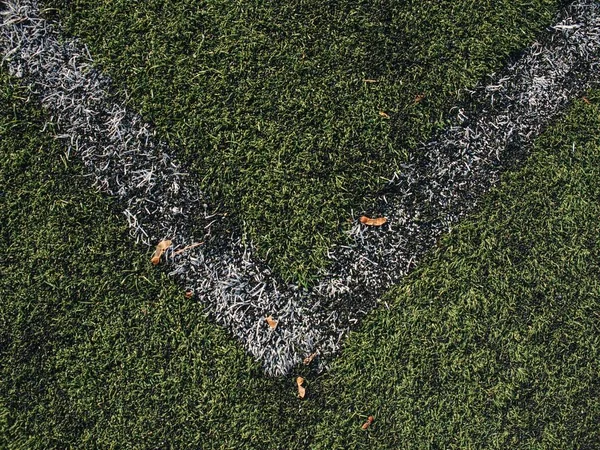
(440, 184)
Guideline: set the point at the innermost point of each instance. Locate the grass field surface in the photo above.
(492, 342)
(268, 105)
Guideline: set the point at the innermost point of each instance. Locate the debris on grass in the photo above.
(160, 249)
(272, 322)
(419, 97)
(373, 222)
(309, 358)
(301, 389)
(189, 247)
(368, 423)
(384, 115)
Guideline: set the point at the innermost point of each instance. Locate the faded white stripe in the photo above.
(125, 158)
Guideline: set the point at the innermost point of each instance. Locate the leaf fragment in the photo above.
(309, 358)
(161, 247)
(368, 423)
(189, 247)
(369, 80)
(586, 100)
(301, 389)
(384, 115)
(373, 222)
(419, 97)
(189, 293)
(272, 322)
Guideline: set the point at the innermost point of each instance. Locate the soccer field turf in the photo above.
(267, 103)
(492, 341)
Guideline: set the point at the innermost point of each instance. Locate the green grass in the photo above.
(493, 342)
(98, 347)
(266, 103)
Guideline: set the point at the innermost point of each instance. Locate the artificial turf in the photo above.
(292, 114)
(492, 342)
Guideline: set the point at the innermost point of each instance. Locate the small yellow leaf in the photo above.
(384, 115)
(373, 222)
(272, 322)
(369, 80)
(301, 389)
(160, 249)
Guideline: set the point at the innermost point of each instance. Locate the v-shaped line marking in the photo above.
(125, 158)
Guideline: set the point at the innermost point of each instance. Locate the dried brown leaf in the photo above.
(586, 101)
(384, 115)
(369, 80)
(309, 358)
(161, 247)
(419, 97)
(301, 389)
(373, 222)
(368, 423)
(272, 322)
(189, 293)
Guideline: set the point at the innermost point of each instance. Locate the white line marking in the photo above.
(125, 159)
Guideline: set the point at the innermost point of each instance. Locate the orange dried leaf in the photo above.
(419, 97)
(373, 222)
(189, 293)
(586, 101)
(384, 115)
(368, 423)
(160, 249)
(272, 322)
(301, 389)
(309, 358)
